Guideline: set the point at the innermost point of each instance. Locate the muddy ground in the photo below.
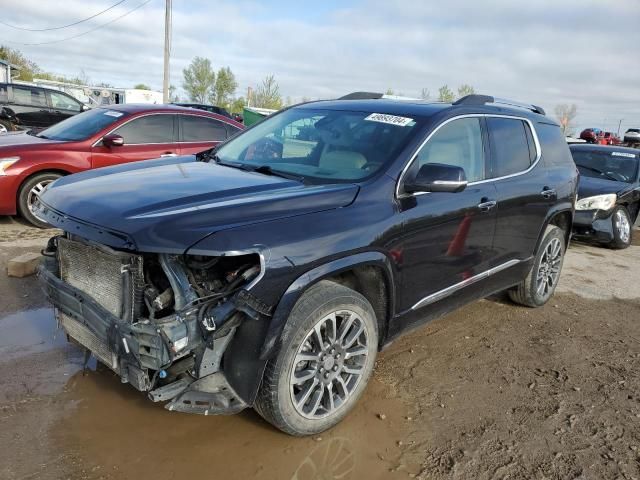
(491, 391)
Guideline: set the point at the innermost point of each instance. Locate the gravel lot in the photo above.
(491, 391)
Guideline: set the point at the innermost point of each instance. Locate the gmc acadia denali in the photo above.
(268, 272)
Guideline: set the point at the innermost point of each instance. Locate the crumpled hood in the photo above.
(167, 207)
(591, 186)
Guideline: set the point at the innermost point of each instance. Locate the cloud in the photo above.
(545, 52)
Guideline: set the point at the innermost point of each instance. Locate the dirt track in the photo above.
(491, 391)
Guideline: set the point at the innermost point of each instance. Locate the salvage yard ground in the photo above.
(491, 391)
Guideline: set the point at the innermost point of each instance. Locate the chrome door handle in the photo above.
(548, 192)
(169, 155)
(486, 206)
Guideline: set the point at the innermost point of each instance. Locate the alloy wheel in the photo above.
(549, 268)
(35, 192)
(622, 225)
(329, 364)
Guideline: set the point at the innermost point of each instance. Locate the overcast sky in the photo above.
(546, 52)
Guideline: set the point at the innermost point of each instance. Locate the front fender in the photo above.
(256, 341)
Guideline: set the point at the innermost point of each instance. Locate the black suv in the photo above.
(26, 106)
(270, 272)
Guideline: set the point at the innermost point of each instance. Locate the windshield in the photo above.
(320, 145)
(619, 166)
(82, 126)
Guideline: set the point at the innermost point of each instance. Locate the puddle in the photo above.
(28, 332)
(118, 431)
(28, 339)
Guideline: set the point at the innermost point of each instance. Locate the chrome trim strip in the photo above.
(472, 115)
(434, 297)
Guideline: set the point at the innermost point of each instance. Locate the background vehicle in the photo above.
(207, 108)
(632, 136)
(591, 135)
(27, 107)
(608, 194)
(610, 138)
(30, 161)
(270, 273)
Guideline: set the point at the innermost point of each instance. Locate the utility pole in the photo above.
(619, 125)
(167, 51)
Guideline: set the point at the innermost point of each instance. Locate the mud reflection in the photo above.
(115, 429)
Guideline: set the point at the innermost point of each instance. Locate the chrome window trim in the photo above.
(445, 292)
(196, 114)
(534, 133)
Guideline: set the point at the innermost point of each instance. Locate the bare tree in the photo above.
(267, 95)
(566, 114)
(425, 94)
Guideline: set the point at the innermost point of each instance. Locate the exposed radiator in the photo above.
(102, 274)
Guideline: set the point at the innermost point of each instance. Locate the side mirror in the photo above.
(84, 108)
(112, 141)
(438, 177)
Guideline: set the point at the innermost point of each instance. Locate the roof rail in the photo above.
(484, 99)
(374, 96)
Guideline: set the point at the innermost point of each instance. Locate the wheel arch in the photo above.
(562, 218)
(255, 342)
(32, 174)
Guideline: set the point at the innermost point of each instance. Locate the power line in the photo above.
(84, 33)
(63, 26)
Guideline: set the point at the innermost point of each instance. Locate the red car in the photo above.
(609, 138)
(29, 161)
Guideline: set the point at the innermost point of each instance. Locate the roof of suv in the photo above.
(418, 107)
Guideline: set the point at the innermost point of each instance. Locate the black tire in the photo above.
(621, 239)
(528, 291)
(25, 192)
(275, 401)
(6, 125)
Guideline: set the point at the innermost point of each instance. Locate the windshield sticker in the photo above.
(111, 113)
(623, 154)
(390, 119)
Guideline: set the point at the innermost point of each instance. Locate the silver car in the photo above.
(632, 136)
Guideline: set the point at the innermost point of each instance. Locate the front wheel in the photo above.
(325, 360)
(541, 282)
(29, 193)
(621, 226)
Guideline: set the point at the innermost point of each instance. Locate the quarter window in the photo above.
(147, 129)
(457, 143)
(202, 129)
(512, 146)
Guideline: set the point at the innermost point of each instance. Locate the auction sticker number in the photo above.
(390, 119)
(623, 154)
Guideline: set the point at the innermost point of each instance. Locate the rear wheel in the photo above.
(29, 193)
(541, 282)
(326, 358)
(621, 226)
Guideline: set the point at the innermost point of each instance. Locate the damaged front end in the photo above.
(162, 322)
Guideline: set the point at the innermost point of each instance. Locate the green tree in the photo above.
(267, 94)
(142, 86)
(26, 68)
(445, 94)
(238, 105)
(199, 80)
(465, 89)
(224, 88)
(389, 91)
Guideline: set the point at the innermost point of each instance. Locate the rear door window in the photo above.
(31, 96)
(202, 129)
(60, 101)
(512, 146)
(148, 130)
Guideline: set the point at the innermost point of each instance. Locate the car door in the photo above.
(62, 105)
(524, 190)
(29, 105)
(199, 133)
(446, 238)
(145, 137)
